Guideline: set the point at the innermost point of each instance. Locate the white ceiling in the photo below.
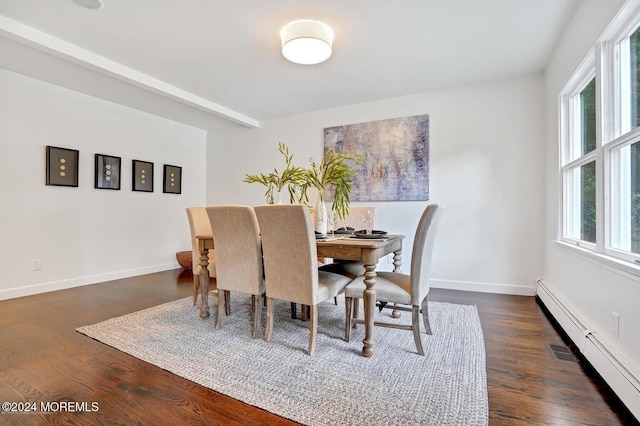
(227, 53)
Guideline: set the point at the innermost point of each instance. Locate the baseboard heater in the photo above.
(623, 382)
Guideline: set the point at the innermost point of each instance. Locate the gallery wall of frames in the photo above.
(62, 170)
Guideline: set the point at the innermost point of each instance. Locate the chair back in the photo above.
(199, 225)
(422, 252)
(354, 217)
(236, 237)
(289, 252)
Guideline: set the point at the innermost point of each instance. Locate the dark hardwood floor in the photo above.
(43, 359)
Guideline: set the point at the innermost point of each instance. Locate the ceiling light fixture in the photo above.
(89, 4)
(306, 42)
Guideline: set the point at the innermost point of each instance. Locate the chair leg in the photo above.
(335, 300)
(415, 325)
(313, 328)
(221, 309)
(305, 312)
(348, 303)
(294, 310)
(257, 314)
(227, 302)
(425, 316)
(269, 326)
(196, 288)
(356, 310)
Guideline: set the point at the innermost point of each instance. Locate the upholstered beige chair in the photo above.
(199, 224)
(353, 220)
(401, 289)
(236, 237)
(290, 268)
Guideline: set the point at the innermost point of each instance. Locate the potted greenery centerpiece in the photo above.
(291, 177)
(333, 172)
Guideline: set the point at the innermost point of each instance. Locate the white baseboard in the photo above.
(484, 287)
(600, 353)
(12, 293)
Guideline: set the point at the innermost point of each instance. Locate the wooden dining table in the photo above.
(205, 243)
(367, 251)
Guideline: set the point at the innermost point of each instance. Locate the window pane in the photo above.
(625, 198)
(588, 118)
(581, 203)
(634, 75)
(588, 202)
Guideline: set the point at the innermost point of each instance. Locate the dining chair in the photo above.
(351, 268)
(290, 268)
(199, 225)
(236, 237)
(401, 289)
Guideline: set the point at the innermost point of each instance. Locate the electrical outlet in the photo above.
(37, 264)
(615, 323)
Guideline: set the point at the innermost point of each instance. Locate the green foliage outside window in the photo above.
(588, 171)
(588, 115)
(634, 56)
(588, 202)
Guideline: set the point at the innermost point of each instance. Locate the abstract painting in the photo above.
(395, 154)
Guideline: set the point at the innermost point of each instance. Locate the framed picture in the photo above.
(62, 166)
(142, 176)
(107, 172)
(172, 179)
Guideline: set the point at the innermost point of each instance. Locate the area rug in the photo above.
(335, 386)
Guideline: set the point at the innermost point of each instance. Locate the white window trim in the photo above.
(627, 269)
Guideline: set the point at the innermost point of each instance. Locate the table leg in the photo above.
(204, 283)
(397, 260)
(397, 263)
(369, 299)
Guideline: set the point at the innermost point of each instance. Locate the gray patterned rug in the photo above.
(335, 386)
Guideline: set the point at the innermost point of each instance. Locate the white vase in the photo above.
(275, 197)
(321, 222)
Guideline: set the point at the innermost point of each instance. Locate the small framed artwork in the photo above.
(172, 179)
(62, 166)
(142, 172)
(107, 172)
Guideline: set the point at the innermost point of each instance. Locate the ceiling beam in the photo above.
(37, 39)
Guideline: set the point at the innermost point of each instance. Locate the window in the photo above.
(623, 153)
(580, 165)
(625, 197)
(600, 159)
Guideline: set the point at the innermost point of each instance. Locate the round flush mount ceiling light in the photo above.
(306, 42)
(89, 4)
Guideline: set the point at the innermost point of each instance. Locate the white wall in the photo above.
(486, 148)
(85, 235)
(590, 290)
